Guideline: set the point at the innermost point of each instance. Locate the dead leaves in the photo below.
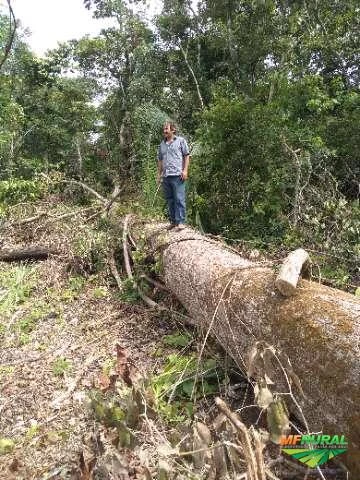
(87, 463)
(265, 362)
(123, 369)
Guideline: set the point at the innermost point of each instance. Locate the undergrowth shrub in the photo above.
(14, 191)
(176, 388)
(16, 283)
(89, 245)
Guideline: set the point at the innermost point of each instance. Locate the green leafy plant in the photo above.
(75, 285)
(60, 366)
(100, 292)
(177, 339)
(129, 293)
(32, 431)
(4, 371)
(18, 283)
(173, 387)
(6, 445)
(18, 190)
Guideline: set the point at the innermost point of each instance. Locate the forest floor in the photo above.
(62, 329)
(76, 355)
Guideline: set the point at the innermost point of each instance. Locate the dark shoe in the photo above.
(180, 227)
(171, 226)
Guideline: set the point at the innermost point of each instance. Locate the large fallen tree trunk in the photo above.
(318, 329)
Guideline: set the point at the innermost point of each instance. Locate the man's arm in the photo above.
(185, 170)
(186, 159)
(160, 171)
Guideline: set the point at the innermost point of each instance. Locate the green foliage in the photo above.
(60, 366)
(32, 431)
(6, 446)
(17, 284)
(107, 412)
(90, 245)
(177, 339)
(73, 290)
(239, 154)
(174, 387)
(100, 292)
(24, 338)
(147, 123)
(28, 323)
(5, 371)
(17, 190)
(129, 293)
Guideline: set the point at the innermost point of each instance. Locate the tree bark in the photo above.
(317, 329)
(28, 253)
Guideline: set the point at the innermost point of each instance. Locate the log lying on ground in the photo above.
(318, 328)
(27, 253)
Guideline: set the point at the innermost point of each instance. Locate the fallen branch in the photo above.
(80, 184)
(55, 218)
(317, 329)
(114, 270)
(155, 283)
(86, 187)
(25, 221)
(50, 218)
(32, 253)
(117, 191)
(255, 465)
(144, 297)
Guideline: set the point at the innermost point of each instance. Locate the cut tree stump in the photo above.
(317, 329)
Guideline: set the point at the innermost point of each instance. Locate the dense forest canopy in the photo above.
(266, 91)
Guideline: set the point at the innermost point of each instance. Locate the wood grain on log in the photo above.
(318, 328)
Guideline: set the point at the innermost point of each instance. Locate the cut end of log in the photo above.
(285, 287)
(290, 272)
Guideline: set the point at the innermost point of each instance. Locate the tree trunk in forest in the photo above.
(317, 329)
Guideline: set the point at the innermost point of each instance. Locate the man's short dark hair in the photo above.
(171, 125)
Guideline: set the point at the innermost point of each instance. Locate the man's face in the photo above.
(167, 131)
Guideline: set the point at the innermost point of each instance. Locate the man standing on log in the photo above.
(173, 165)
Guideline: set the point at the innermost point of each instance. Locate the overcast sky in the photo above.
(53, 21)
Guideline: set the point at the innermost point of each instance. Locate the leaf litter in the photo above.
(79, 329)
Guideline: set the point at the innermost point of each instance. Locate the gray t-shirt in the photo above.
(172, 155)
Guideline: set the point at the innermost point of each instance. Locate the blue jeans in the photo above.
(174, 193)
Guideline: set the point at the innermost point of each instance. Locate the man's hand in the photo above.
(159, 178)
(184, 175)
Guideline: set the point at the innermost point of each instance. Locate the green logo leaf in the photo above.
(313, 457)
